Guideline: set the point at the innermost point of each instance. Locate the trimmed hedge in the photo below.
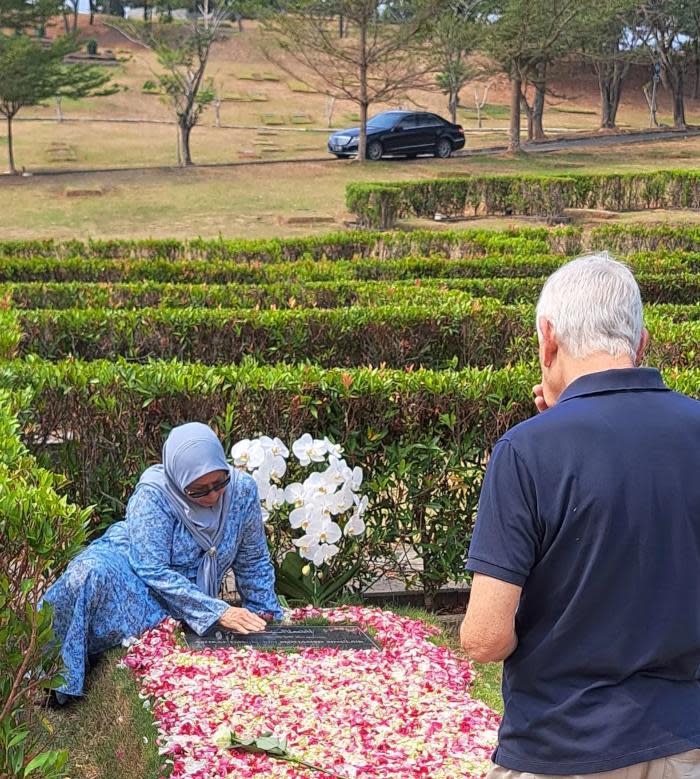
(456, 334)
(378, 245)
(672, 288)
(163, 271)
(380, 205)
(335, 246)
(418, 435)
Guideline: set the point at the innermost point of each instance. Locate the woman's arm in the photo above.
(252, 567)
(151, 537)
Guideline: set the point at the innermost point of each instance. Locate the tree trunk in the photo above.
(678, 99)
(362, 141)
(454, 100)
(526, 107)
(185, 156)
(66, 26)
(92, 12)
(364, 103)
(514, 133)
(341, 26)
(538, 111)
(10, 149)
(59, 110)
(610, 86)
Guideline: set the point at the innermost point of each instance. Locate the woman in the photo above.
(189, 520)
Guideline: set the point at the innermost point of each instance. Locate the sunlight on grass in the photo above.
(108, 734)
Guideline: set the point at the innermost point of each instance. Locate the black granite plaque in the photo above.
(285, 637)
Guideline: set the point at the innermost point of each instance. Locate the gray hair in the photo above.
(594, 305)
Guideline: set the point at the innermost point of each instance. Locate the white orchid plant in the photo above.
(326, 507)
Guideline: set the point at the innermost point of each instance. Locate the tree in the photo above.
(182, 49)
(670, 26)
(380, 57)
(31, 72)
(453, 38)
(612, 41)
(523, 37)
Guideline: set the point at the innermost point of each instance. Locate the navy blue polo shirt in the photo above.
(593, 507)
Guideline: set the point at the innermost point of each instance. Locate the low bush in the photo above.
(671, 288)
(422, 437)
(380, 205)
(407, 268)
(453, 334)
(335, 246)
(453, 244)
(40, 533)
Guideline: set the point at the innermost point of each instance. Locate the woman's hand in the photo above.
(242, 621)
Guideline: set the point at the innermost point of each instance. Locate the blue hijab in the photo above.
(190, 451)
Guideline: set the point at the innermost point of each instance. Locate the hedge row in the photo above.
(164, 271)
(40, 533)
(459, 333)
(455, 244)
(669, 288)
(335, 246)
(380, 205)
(417, 435)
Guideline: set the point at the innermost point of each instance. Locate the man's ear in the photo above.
(643, 343)
(548, 342)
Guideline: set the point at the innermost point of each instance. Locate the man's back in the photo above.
(594, 509)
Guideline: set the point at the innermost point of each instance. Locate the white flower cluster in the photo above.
(320, 502)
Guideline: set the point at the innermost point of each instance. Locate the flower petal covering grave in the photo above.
(399, 712)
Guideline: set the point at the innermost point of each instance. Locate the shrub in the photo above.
(671, 288)
(230, 272)
(380, 205)
(453, 334)
(91, 46)
(421, 437)
(40, 533)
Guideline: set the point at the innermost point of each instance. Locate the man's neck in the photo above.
(595, 363)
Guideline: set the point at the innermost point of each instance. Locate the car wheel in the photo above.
(374, 151)
(443, 148)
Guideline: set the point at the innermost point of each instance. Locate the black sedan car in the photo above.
(405, 133)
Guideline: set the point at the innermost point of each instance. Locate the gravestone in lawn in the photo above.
(285, 637)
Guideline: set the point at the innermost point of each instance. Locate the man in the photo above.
(586, 550)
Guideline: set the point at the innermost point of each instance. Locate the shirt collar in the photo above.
(615, 380)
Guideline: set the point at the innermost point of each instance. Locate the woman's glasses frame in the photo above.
(219, 485)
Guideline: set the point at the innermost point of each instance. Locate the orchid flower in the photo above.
(308, 450)
(248, 454)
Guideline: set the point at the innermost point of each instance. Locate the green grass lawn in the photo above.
(271, 200)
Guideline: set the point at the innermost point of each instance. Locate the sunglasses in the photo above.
(219, 485)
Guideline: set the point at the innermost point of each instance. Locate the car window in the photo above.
(430, 120)
(408, 122)
(383, 121)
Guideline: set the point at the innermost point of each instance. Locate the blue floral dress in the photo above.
(145, 568)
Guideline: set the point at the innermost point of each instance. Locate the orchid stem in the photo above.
(313, 767)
